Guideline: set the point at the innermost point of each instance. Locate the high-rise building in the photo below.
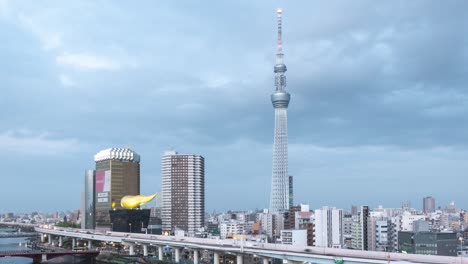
(183, 192)
(363, 221)
(428, 205)
(88, 220)
(328, 227)
(117, 174)
(291, 190)
(279, 197)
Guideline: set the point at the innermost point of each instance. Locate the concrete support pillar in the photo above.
(239, 259)
(215, 258)
(160, 253)
(50, 239)
(177, 254)
(195, 257)
(60, 241)
(42, 238)
(145, 250)
(265, 261)
(132, 250)
(90, 244)
(73, 243)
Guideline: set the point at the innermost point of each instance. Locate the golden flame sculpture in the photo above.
(133, 201)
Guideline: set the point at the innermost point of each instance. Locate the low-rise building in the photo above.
(428, 243)
(294, 237)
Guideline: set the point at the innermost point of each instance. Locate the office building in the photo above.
(328, 227)
(428, 243)
(88, 220)
(117, 174)
(279, 196)
(428, 205)
(183, 192)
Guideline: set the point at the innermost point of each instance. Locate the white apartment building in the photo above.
(328, 227)
(229, 229)
(294, 237)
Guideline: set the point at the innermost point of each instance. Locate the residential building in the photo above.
(329, 227)
(183, 192)
(377, 231)
(231, 228)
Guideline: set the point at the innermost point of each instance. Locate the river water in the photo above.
(14, 244)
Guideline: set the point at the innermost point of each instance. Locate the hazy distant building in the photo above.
(451, 208)
(183, 192)
(354, 210)
(328, 227)
(428, 205)
(88, 220)
(117, 174)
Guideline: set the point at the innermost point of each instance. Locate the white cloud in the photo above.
(28, 142)
(66, 81)
(49, 40)
(84, 61)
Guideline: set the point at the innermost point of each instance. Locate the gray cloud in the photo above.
(378, 91)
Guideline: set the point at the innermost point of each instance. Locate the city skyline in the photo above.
(380, 99)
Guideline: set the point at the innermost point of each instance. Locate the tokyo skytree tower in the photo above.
(279, 197)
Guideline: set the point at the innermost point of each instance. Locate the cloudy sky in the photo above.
(378, 115)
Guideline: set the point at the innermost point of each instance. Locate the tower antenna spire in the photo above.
(279, 13)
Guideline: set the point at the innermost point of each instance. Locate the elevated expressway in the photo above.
(243, 248)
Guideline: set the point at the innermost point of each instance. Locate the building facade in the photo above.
(88, 220)
(291, 190)
(117, 174)
(363, 222)
(183, 192)
(377, 233)
(328, 227)
(294, 237)
(428, 205)
(428, 243)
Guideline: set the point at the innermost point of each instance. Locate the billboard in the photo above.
(103, 181)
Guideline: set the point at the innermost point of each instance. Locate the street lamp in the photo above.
(130, 224)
